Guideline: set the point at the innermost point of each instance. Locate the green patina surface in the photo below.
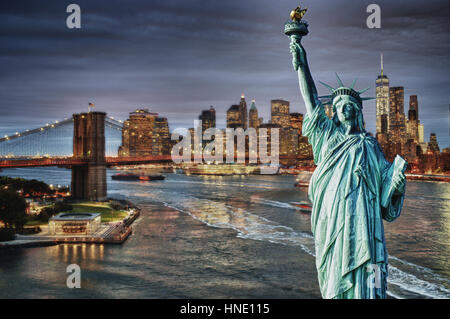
(352, 189)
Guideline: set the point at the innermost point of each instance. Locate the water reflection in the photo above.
(76, 253)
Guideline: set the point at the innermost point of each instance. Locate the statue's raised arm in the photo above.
(305, 80)
(296, 29)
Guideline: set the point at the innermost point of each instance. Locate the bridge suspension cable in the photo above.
(46, 127)
(55, 140)
(113, 123)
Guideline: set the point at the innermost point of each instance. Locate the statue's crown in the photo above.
(347, 91)
(344, 90)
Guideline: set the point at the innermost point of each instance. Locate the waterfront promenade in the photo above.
(108, 233)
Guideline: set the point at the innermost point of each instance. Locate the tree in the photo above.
(12, 209)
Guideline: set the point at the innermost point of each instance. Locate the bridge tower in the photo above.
(89, 180)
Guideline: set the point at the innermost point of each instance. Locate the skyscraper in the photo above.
(253, 120)
(161, 137)
(397, 125)
(433, 145)
(296, 120)
(280, 113)
(208, 118)
(382, 101)
(413, 119)
(421, 133)
(237, 115)
(304, 149)
(234, 116)
(243, 112)
(432, 155)
(145, 133)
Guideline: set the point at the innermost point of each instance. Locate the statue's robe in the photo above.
(346, 217)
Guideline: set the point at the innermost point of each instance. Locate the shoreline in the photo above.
(427, 177)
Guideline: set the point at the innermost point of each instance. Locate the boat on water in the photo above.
(305, 207)
(303, 179)
(137, 177)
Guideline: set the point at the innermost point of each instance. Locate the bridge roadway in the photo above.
(70, 161)
(110, 161)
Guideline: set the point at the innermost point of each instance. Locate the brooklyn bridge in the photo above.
(83, 143)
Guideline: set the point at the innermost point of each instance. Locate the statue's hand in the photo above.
(399, 182)
(298, 53)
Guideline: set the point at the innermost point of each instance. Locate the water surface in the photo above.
(225, 237)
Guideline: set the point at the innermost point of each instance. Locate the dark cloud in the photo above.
(179, 57)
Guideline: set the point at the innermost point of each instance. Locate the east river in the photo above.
(225, 237)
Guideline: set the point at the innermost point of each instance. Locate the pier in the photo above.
(111, 233)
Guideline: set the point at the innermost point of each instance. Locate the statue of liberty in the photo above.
(352, 189)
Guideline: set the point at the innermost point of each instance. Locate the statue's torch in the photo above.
(296, 28)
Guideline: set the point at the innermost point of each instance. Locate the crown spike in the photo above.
(339, 80)
(367, 98)
(328, 86)
(353, 84)
(362, 91)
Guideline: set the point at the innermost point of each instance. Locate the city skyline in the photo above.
(52, 72)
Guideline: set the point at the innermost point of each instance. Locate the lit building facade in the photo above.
(74, 224)
(288, 141)
(296, 120)
(432, 162)
(280, 113)
(145, 133)
(237, 115)
(234, 117)
(161, 144)
(397, 124)
(208, 118)
(412, 125)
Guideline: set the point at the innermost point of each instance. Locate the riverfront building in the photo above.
(74, 224)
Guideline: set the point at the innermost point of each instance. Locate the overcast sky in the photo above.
(179, 57)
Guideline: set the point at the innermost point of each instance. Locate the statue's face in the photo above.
(345, 108)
